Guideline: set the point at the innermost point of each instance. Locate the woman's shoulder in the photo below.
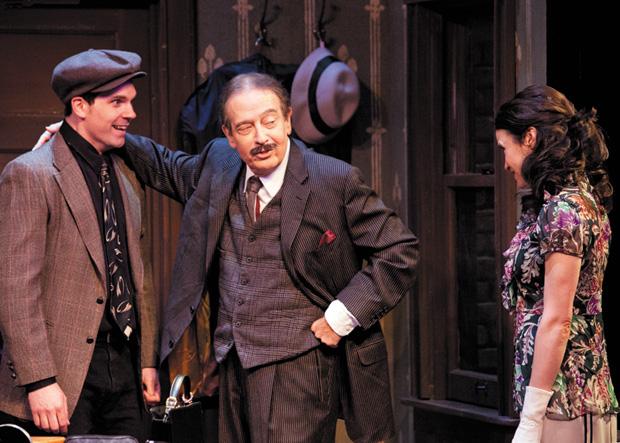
(571, 198)
(571, 207)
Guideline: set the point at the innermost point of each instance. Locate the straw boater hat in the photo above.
(324, 96)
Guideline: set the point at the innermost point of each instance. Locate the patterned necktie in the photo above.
(251, 196)
(119, 288)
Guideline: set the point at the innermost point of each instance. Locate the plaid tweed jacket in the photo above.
(369, 266)
(52, 273)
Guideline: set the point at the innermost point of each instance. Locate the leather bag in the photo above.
(180, 419)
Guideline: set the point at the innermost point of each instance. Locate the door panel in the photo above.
(37, 34)
(34, 40)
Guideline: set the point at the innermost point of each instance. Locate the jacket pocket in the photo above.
(372, 353)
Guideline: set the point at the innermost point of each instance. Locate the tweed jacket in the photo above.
(369, 266)
(52, 273)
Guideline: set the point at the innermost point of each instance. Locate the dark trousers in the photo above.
(294, 400)
(110, 402)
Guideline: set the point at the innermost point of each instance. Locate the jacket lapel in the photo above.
(222, 186)
(73, 187)
(133, 216)
(294, 197)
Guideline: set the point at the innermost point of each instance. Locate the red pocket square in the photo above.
(327, 238)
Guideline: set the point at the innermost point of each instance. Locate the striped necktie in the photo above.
(251, 196)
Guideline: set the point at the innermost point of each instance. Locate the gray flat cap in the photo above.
(95, 70)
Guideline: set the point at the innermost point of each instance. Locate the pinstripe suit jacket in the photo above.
(369, 267)
(52, 273)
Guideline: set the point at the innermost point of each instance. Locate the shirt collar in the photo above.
(82, 147)
(272, 182)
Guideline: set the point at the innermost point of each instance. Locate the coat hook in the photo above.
(262, 39)
(320, 32)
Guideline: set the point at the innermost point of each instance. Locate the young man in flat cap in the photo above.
(77, 310)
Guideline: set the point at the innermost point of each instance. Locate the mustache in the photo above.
(263, 148)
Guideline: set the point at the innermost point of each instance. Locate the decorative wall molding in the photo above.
(309, 23)
(243, 8)
(376, 129)
(208, 62)
(344, 56)
(397, 192)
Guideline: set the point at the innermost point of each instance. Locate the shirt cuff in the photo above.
(340, 319)
(31, 387)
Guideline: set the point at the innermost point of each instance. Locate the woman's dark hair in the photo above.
(569, 143)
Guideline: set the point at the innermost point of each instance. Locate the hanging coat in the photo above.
(198, 121)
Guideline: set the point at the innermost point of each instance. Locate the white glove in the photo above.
(532, 415)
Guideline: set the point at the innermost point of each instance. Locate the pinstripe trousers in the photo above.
(290, 401)
(585, 429)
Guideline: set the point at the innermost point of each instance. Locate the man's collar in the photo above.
(272, 182)
(81, 146)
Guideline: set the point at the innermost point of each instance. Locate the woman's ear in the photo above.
(529, 138)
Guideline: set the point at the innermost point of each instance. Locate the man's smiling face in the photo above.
(105, 120)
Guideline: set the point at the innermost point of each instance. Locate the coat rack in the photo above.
(261, 35)
(319, 31)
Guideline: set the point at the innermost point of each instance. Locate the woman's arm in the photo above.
(561, 277)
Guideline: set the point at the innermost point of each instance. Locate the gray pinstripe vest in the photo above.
(261, 312)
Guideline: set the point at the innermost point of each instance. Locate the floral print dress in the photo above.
(572, 223)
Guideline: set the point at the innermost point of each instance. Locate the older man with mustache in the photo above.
(302, 258)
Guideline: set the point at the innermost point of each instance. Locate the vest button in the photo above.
(244, 281)
(100, 301)
(240, 301)
(251, 238)
(237, 324)
(248, 259)
(90, 340)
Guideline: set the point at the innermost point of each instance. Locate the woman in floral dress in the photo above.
(553, 275)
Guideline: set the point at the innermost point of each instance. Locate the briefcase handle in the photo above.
(174, 401)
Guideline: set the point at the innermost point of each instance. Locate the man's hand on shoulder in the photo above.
(325, 333)
(49, 409)
(50, 130)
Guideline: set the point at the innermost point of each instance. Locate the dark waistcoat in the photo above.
(261, 312)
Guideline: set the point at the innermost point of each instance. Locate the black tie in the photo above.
(119, 287)
(251, 196)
